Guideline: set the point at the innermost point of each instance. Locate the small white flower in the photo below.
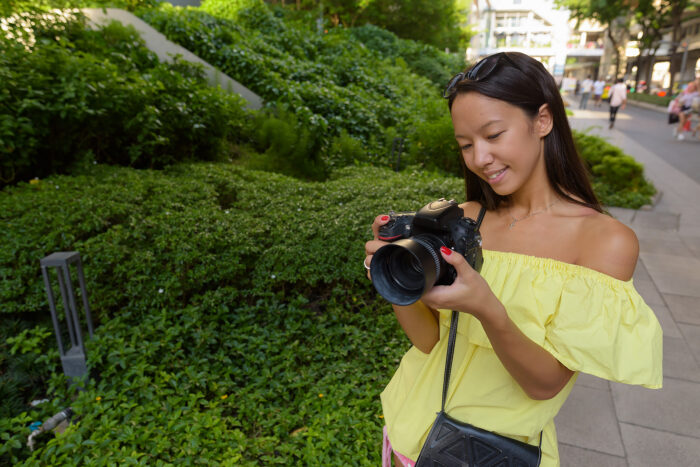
(167, 213)
(160, 291)
(57, 187)
(340, 204)
(298, 209)
(273, 276)
(94, 162)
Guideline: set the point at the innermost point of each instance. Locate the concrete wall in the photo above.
(166, 50)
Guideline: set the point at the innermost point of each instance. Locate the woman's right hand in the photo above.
(373, 245)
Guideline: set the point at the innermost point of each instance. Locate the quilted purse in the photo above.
(451, 443)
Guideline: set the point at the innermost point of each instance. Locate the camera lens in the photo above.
(404, 270)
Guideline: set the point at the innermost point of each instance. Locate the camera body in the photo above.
(408, 267)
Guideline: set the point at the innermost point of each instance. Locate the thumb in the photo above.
(453, 258)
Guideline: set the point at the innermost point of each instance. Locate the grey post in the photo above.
(74, 360)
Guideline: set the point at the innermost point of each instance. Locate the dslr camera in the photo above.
(411, 264)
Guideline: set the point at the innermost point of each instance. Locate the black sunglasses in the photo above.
(478, 72)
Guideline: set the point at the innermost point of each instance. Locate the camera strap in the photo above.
(482, 213)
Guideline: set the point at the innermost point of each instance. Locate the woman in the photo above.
(555, 294)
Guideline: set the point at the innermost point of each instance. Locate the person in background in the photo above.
(618, 99)
(598, 87)
(586, 87)
(685, 100)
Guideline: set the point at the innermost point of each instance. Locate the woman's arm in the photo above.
(537, 371)
(420, 323)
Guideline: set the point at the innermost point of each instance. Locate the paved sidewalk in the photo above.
(606, 424)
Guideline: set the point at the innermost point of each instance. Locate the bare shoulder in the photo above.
(471, 209)
(608, 245)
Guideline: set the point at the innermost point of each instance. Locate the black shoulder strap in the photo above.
(482, 213)
(453, 332)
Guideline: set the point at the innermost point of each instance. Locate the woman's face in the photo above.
(500, 143)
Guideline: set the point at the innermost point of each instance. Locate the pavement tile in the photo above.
(672, 245)
(640, 272)
(649, 292)
(651, 448)
(668, 324)
(691, 333)
(678, 360)
(656, 220)
(674, 274)
(590, 381)
(587, 420)
(693, 243)
(675, 408)
(573, 456)
(684, 309)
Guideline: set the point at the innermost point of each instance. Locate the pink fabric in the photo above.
(386, 454)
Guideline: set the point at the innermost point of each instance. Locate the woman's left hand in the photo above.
(469, 293)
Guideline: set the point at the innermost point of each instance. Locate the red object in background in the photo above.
(686, 125)
(661, 93)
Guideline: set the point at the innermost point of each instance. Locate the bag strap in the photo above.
(451, 346)
(453, 332)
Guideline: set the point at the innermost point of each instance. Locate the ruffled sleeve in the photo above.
(602, 326)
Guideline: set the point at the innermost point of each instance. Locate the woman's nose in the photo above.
(482, 155)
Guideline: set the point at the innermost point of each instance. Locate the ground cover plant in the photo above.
(234, 312)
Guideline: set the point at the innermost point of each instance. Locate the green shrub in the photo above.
(618, 179)
(194, 275)
(100, 96)
(332, 83)
(650, 98)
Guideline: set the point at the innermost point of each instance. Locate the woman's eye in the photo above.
(496, 135)
(466, 146)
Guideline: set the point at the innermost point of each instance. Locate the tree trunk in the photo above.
(676, 13)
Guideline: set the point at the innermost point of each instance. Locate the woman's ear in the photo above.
(543, 121)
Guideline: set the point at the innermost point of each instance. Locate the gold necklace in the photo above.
(510, 226)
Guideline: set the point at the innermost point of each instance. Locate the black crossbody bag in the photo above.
(454, 443)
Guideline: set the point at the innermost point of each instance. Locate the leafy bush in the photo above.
(650, 98)
(332, 83)
(194, 275)
(87, 96)
(618, 179)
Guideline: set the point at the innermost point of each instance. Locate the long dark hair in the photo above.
(522, 81)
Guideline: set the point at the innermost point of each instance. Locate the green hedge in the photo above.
(362, 83)
(650, 98)
(618, 179)
(77, 96)
(210, 281)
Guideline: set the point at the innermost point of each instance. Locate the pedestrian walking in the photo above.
(586, 87)
(598, 87)
(618, 99)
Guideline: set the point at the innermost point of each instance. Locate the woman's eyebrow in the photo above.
(490, 122)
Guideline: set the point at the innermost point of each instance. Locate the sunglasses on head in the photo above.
(478, 72)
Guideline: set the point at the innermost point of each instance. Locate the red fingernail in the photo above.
(446, 250)
(385, 218)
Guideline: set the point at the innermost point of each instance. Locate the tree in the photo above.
(652, 16)
(435, 22)
(605, 12)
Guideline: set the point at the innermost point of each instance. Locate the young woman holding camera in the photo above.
(555, 294)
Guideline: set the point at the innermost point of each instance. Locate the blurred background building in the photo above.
(574, 49)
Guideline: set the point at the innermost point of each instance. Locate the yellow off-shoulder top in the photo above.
(589, 321)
